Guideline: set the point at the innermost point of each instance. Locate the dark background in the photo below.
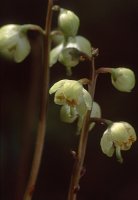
(110, 25)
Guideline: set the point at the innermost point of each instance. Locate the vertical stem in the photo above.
(79, 160)
(43, 109)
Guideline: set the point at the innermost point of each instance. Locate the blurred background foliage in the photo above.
(110, 25)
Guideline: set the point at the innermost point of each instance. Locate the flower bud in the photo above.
(14, 43)
(57, 37)
(123, 79)
(119, 136)
(68, 22)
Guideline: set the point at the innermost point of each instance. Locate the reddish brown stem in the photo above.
(43, 109)
(103, 70)
(80, 156)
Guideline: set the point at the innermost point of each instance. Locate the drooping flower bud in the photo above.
(68, 22)
(14, 43)
(123, 79)
(119, 136)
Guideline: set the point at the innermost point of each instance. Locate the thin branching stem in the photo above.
(101, 121)
(43, 109)
(80, 156)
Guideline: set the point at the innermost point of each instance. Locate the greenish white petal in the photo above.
(59, 97)
(118, 154)
(96, 112)
(81, 44)
(23, 48)
(87, 99)
(54, 54)
(69, 57)
(68, 114)
(73, 90)
(57, 86)
(107, 144)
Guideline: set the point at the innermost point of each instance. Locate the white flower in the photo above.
(68, 53)
(119, 136)
(75, 100)
(14, 43)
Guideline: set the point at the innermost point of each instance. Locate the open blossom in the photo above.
(119, 136)
(14, 43)
(68, 52)
(75, 100)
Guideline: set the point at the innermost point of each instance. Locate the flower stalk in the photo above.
(80, 155)
(43, 109)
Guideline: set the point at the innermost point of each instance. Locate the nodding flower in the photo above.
(75, 100)
(119, 136)
(14, 43)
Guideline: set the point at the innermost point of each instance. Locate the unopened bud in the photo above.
(68, 22)
(123, 79)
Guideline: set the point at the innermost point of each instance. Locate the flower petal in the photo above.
(123, 135)
(69, 57)
(87, 99)
(68, 114)
(81, 108)
(54, 54)
(57, 86)
(73, 91)
(81, 44)
(107, 144)
(59, 97)
(96, 112)
(23, 48)
(118, 154)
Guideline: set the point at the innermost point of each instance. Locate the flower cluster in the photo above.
(69, 47)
